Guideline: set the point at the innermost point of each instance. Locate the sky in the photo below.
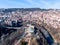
(46, 4)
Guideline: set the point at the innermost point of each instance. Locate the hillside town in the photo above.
(16, 26)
